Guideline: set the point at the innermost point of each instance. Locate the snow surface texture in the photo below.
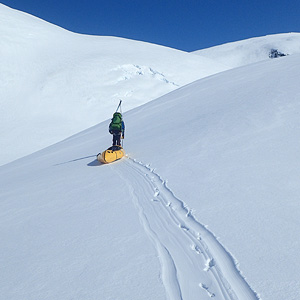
(54, 83)
(226, 149)
(179, 239)
(252, 50)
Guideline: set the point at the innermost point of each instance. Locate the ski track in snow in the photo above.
(194, 263)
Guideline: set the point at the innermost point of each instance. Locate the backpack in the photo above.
(116, 122)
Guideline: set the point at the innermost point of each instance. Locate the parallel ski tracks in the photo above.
(194, 263)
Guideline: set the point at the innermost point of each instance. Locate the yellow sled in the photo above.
(111, 154)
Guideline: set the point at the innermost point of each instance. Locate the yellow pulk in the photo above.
(111, 154)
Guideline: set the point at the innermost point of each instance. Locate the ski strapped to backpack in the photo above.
(119, 106)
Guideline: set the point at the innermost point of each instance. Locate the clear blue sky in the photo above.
(182, 24)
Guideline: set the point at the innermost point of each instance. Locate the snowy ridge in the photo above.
(252, 50)
(180, 239)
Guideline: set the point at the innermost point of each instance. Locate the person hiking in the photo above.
(117, 128)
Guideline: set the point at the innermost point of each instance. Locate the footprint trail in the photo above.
(194, 263)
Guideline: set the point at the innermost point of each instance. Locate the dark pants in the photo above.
(116, 138)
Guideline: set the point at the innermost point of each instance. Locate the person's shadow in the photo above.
(95, 163)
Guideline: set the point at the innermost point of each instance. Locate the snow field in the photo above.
(226, 145)
(58, 243)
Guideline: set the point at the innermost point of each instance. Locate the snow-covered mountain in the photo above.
(54, 83)
(253, 50)
(206, 205)
(221, 152)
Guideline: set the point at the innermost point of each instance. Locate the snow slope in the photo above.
(54, 83)
(252, 50)
(222, 151)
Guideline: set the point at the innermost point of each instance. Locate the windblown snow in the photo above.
(205, 205)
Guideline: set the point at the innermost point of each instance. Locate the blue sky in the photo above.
(182, 24)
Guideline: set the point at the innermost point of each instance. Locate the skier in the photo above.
(117, 128)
